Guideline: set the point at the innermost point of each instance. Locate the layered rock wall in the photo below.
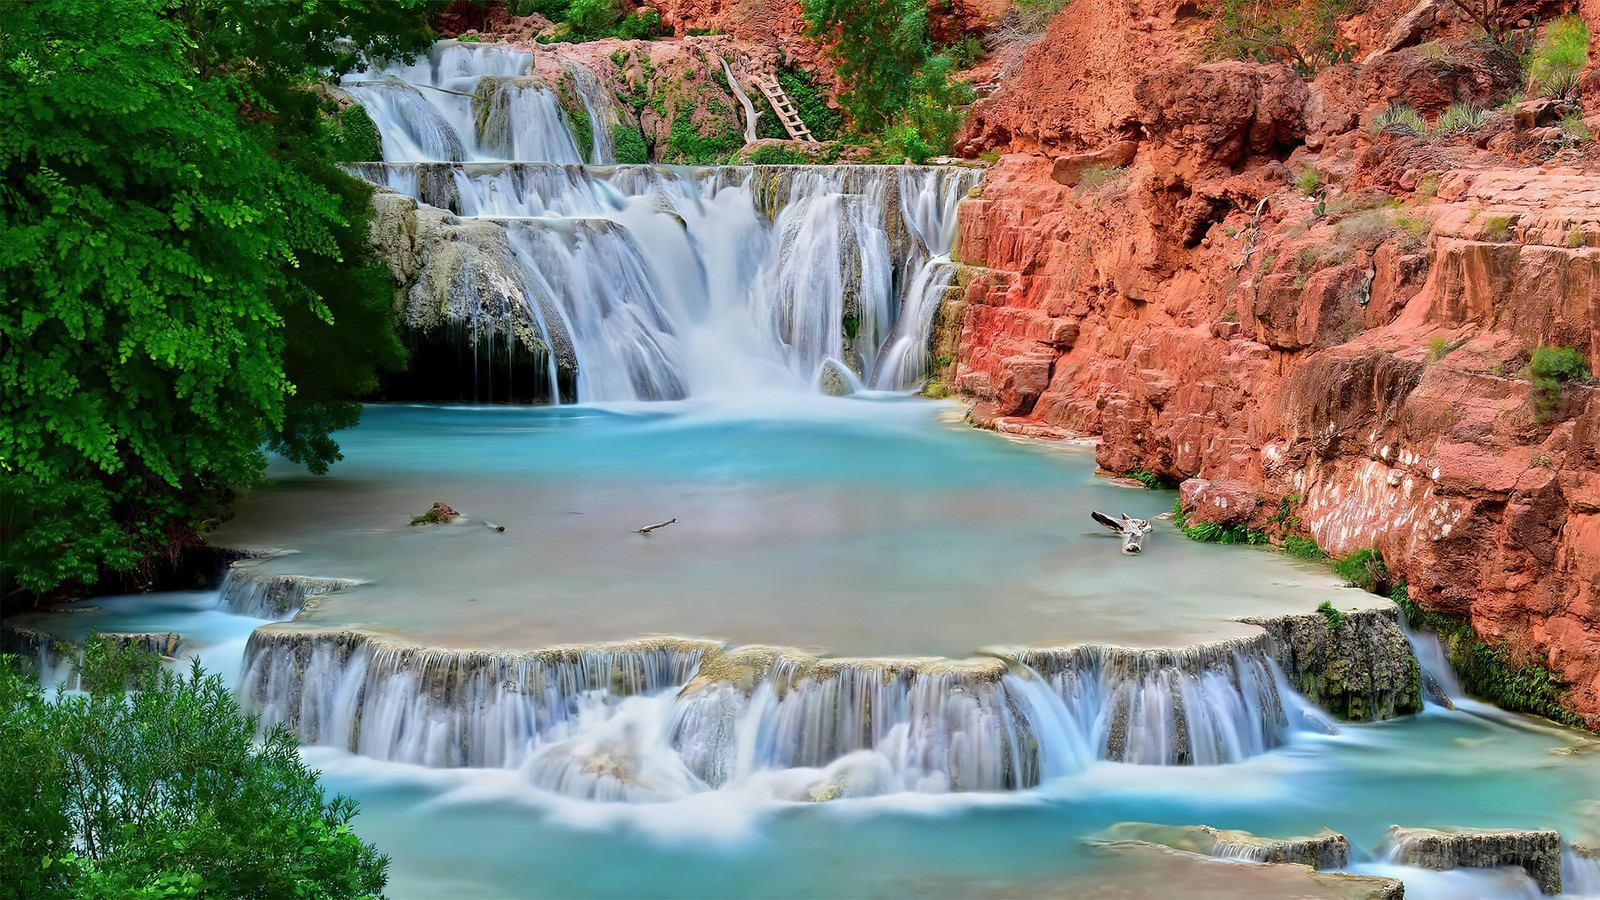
(1226, 273)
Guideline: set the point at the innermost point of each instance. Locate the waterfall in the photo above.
(646, 282)
(657, 718)
(1441, 684)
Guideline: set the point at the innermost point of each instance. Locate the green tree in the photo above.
(163, 791)
(879, 47)
(185, 269)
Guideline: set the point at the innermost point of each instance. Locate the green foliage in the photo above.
(1307, 180)
(1459, 118)
(592, 18)
(1439, 347)
(163, 791)
(352, 137)
(1364, 569)
(1497, 228)
(879, 48)
(171, 217)
(1149, 479)
(1574, 128)
(775, 155)
(628, 142)
(969, 50)
(1558, 60)
(686, 145)
(644, 25)
(1551, 368)
(1214, 533)
(1400, 118)
(582, 127)
(810, 102)
(1303, 548)
(1508, 679)
(1303, 34)
(1334, 617)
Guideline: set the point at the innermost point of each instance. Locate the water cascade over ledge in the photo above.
(640, 282)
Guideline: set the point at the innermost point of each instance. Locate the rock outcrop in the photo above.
(1538, 852)
(1360, 668)
(1328, 324)
(1324, 850)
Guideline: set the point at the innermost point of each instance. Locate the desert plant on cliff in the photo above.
(1307, 180)
(1574, 128)
(1302, 33)
(1558, 60)
(1497, 228)
(163, 791)
(1550, 369)
(1364, 569)
(1400, 118)
(1460, 117)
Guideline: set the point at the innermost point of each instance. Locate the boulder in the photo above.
(1537, 852)
(1324, 850)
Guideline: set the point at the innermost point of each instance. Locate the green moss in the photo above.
(628, 142)
(354, 137)
(582, 130)
(1493, 673)
(1363, 569)
(1215, 533)
(1551, 368)
(772, 155)
(1150, 479)
(1303, 548)
(1334, 617)
(686, 145)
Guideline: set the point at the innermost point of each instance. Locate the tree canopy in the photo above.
(184, 268)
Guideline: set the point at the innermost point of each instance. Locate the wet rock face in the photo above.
(1538, 852)
(1363, 670)
(1324, 850)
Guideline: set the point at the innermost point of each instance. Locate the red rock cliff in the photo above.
(1149, 274)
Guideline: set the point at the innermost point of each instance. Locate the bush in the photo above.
(773, 155)
(628, 142)
(879, 48)
(1303, 33)
(1363, 569)
(1303, 548)
(1400, 118)
(643, 25)
(163, 791)
(1497, 228)
(1559, 59)
(1307, 180)
(1460, 117)
(810, 102)
(592, 18)
(687, 146)
(1551, 368)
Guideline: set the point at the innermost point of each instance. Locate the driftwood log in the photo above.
(1131, 530)
(649, 528)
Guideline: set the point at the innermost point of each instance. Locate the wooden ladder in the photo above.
(775, 94)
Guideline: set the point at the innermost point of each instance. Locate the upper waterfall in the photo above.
(648, 282)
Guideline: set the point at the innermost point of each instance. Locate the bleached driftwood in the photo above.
(1132, 530)
(649, 528)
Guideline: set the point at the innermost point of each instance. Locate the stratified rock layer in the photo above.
(1323, 850)
(1539, 852)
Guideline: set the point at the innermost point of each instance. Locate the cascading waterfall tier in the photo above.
(640, 282)
(664, 717)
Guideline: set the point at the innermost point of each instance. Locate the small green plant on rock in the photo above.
(1550, 369)
(1558, 61)
(1307, 180)
(1400, 118)
(1364, 569)
(1459, 118)
(1574, 128)
(1215, 532)
(1334, 617)
(1497, 229)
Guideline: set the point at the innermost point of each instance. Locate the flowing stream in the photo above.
(875, 654)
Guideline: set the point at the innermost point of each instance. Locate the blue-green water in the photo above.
(857, 527)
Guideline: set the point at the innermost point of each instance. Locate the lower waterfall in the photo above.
(661, 717)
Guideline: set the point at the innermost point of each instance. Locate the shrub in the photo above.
(1302, 33)
(1303, 548)
(1400, 118)
(1574, 128)
(643, 25)
(1496, 228)
(1331, 614)
(1439, 347)
(773, 155)
(1307, 180)
(810, 102)
(1096, 177)
(163, 791)
(1459, 118)
(879, 48)
(1559, 58)
(1551, 368)
(686, 145)
(628, 142)
(1363, 569)
(592, 18)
